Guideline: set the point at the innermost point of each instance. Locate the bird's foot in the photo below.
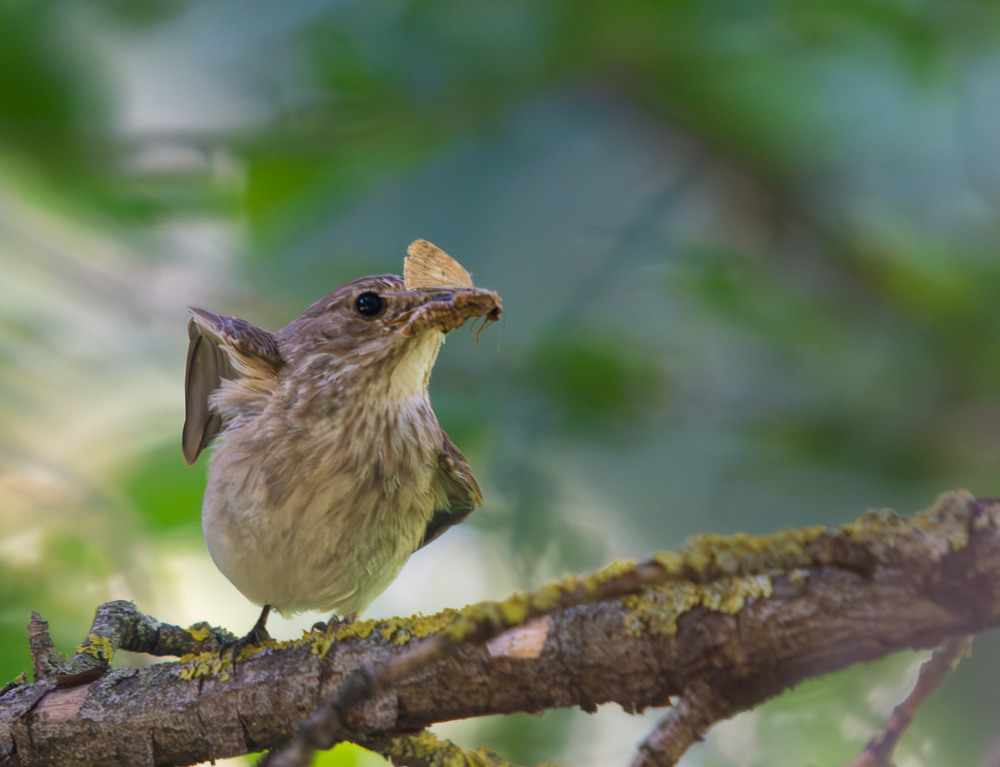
(256, 636)
(335, 622)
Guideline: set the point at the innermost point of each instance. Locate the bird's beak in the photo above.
(445, 308)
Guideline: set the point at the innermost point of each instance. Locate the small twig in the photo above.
(117, 625)
(45, 659)
(933, 673)
(697, 709)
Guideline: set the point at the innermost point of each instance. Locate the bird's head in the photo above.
(369, 342)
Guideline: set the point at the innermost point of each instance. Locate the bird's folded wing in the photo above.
(461, 491)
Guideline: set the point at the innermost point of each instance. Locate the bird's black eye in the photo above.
(369, 305)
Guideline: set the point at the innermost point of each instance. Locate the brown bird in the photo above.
(330, 466)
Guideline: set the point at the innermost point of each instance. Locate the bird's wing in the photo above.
(219, 348)
(461, 491)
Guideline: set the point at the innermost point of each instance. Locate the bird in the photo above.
(329, 465)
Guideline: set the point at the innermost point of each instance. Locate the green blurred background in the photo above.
(747, 254)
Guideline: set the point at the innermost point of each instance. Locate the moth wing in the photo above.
(427, 266)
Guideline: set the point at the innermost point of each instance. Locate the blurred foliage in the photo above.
(747, 255)
(594, 381)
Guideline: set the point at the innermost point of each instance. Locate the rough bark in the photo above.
(744, 617)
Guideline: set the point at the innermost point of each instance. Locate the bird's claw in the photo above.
(254, 638)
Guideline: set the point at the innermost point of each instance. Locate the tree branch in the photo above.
(744, 617)
(934, 671)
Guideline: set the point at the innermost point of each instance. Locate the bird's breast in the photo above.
(324, 519)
